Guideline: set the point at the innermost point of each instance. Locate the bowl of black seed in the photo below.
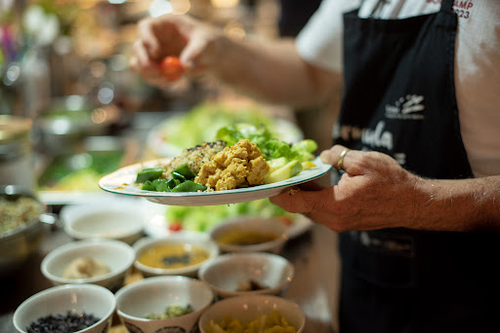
(70, 308)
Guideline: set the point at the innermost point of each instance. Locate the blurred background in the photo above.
(71, 111)
(64, 79)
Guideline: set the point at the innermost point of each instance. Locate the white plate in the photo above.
(122, 182)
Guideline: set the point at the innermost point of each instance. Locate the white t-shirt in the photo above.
(477, 63)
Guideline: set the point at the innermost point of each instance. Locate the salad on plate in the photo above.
(243, 155)
(187, 129)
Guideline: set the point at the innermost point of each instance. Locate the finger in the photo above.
(191, 55)
(347, 163)
(142, 58)
(133, 63)
(304, 202)
(311, 186)
(149, 39)
(331, 156)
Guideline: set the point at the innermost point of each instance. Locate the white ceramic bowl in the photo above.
(189, 240)
(234, 274)
(245, 226)
(248, 307)
(117, 255)
(154, 294)
(119, 219)
(77, 298)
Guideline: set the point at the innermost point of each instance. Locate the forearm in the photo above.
(458, 205)
(274, 71)
(270, 70)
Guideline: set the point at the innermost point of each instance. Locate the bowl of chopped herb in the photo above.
(81, 308)
(21, 228)
(163, 303)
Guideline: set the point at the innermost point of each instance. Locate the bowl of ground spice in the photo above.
(75, 308)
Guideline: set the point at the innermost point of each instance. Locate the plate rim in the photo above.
(319, 170)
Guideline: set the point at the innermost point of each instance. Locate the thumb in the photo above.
(192, 55)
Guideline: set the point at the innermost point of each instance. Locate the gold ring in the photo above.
(340, 162)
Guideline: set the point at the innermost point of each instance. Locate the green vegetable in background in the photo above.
(191, 129)
(79, 171)
(201, 218)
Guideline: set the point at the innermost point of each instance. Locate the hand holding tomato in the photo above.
(171, 68)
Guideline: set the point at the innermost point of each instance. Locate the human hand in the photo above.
(374, 192)
(194, 42)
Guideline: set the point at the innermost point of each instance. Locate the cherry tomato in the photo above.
(286, 220)
(171, 68)
(175, 226)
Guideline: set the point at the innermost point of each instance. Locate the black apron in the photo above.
(399, 99)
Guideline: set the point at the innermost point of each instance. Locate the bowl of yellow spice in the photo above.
(104, 262)
(178, 254)
(250, 234)
(253, 313)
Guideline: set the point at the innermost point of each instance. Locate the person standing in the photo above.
(417, 201)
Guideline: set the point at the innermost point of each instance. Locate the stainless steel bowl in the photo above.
(70, 119)
(19, 243)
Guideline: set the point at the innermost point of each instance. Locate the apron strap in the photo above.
(447, 5)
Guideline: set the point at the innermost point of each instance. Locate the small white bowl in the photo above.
(76, 298)
(189, 240)
(249, 226)
(154, 294)
(248, 307)
(118, 220)
(235, 274)
(117, 255)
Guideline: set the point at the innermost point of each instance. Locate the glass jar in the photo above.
(16, 154)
